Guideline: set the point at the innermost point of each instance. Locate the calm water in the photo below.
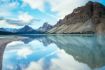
(54, 52)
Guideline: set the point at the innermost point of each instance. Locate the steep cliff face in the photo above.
(86, 19)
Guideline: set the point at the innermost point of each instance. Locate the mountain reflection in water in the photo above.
(55, 52)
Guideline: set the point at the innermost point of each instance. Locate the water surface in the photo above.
(54, 52)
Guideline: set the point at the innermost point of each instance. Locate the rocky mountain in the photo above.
(86, 19)
(45, 27)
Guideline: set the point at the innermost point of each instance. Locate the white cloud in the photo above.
(35, 4)
(5, 13)
(65, 7)
(25, 17)
(4, 24)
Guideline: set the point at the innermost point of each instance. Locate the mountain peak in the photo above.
(45, 27)
(95, 5)
(89, 2)
(90, 10)
(83, 19)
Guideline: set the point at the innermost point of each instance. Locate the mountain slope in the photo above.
(85, 19)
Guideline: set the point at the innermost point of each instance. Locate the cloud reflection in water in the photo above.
(55, 53)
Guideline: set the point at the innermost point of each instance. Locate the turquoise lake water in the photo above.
(55, 52)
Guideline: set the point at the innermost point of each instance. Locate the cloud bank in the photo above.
(63, 7)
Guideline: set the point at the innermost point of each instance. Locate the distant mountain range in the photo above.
(86, 19)
(25, 30)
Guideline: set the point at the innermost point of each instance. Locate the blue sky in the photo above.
(37, 12)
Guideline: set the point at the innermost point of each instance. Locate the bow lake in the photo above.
(52, 52)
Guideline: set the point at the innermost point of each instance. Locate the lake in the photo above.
(52, 52)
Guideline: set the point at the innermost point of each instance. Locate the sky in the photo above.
(36, 12)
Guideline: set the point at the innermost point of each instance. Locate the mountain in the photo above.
(25, 30)
(86, 19)
(13, 30)
(45, 27)
(2, 29)
(28, 30)
(5, 33)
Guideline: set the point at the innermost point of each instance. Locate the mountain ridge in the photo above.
(24, 30)
(86, 19)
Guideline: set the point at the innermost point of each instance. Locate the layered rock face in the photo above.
(86, 19)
